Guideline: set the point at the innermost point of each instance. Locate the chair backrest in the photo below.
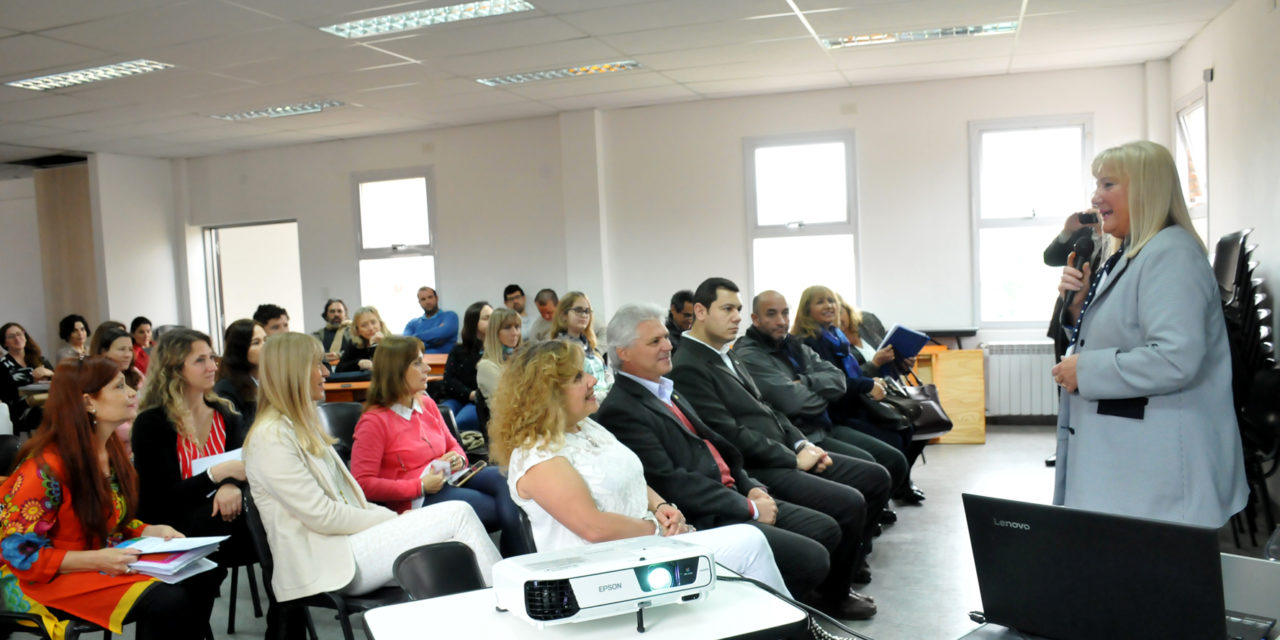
(450, 421)
(437, 570)
(258, 536)
(526, 533)
(482, 411)
(339, 419)
(1228, 261)
(8, 449)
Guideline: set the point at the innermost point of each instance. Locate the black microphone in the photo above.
(1084, 253)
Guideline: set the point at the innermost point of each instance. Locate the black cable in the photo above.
(814, 628)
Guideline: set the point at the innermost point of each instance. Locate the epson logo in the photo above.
(610, 587)
(1009, 524)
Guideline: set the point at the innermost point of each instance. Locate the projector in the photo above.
(601, 580)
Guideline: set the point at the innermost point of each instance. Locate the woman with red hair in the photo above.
(70, 500)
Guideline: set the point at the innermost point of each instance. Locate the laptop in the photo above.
(1069, 574)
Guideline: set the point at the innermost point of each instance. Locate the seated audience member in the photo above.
(817, 325)
(864, 331)
(513, 299)
(401, 433)
(577, 483)
(74, 331)
(111, 339)
(797, 382)
(710, 376)
(546, 300)
(238, 372)
(679, 317)
(369, 331)
(272, 318)
(71, 499)
(324, 534)
(499, 343)
(575, 323)
(22, 359)
(335, 335)
(182, 421)
(459, 382)
(436, 328)
(687, 463)
(140, 330)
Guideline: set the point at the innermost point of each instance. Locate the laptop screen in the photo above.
(1069, 574)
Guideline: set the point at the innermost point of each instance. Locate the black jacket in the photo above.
(678, 465)
(352, 356)
(732, 406)
(793, 379)
(673, 332)
(248, 409)
(460, 372)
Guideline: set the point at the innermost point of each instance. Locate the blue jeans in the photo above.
(487, 494)
(465, 415)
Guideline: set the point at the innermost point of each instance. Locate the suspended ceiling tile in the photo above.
(156, 87)
(160, 126)
(1127, 54)
(707, 35)
(38, 15)
(928, 71)
(43, 106)
(668, 13)
(19, 131)
(346, 58)
(940, 51)
(778, 50)
(737, 70)
(906, 16)
(622, 99)
(744, 86)
(28, 55)
(163, 26)
(568, 53)
(493, 114)
(589, 85)
(381, 124)
(243, 48)
(474, 36)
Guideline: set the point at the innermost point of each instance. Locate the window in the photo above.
(395, 242)
(1028, 176)
(800, 212)
(1190, 153)
(234, 268)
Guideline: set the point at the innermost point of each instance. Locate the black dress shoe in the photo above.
(850, 607)
(888, 516)
(911, 494)
(861, 575)
(1051, 460)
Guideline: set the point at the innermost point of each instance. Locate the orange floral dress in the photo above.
(37, 528)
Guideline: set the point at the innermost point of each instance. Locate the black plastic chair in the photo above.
(526, 530)
(339, 419)
(435, 570)
(29, 623)
(235, 584)
(8, 449)
(345, 605)
(450, 421)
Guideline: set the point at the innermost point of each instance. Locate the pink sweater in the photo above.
(389, 452)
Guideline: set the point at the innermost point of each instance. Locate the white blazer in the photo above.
(306, 518)
(1151, 431)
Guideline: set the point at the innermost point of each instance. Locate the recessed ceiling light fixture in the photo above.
(993, 29)
(425, 18)
(555, 74)
(282, 111)
(85, 76)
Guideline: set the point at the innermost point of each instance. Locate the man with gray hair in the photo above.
(692, 465)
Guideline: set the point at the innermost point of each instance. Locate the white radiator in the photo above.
(1019, 381)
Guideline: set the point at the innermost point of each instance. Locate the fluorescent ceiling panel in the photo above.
(410, 20)
(993, 29)
(556, 74)
(85, 76)
(282, 111)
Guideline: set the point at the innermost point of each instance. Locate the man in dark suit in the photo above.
(690, 464)
(715, 382)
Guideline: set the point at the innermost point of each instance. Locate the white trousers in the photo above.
(744, 549)
(376, 548)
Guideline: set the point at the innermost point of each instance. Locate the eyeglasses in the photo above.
(582, 311)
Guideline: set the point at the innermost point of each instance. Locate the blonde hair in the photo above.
(284, 373)
(386, 381)
(165, 386)
(855, 317)
(560, 322)
(498, 320)
(358, 340)
(528, 407)
(804, 326)
(1155, 195)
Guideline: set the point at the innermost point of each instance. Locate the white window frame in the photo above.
(1198, 97)
(848, 227)
(1050, 220)
(397, 250)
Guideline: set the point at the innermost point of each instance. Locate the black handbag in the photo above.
(882, 414)
(922, 406)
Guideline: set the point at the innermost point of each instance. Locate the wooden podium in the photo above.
(960, 378)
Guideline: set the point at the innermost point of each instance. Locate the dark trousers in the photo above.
(176, 610)
(850, 442)
(802, 541)
(851, 491)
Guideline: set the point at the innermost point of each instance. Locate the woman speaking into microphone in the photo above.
(1146, 425)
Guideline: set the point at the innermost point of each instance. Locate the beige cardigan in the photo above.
(306, 520)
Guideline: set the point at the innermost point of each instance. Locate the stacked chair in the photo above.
(1255, 379)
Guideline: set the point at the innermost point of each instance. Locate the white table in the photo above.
(733, 609)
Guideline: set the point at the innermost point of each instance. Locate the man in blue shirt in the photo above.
(437, 329)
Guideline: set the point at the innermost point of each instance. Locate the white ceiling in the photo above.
(245, 54)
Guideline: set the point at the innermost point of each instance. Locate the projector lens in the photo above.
(659, 578)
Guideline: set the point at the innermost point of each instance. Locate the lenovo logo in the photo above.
(1009, 524)
(610, 587)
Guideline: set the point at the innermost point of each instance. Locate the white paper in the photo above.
(199, 566)
(152, 544)
(201, 465)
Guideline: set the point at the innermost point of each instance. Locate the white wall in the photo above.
(498, 205)
(22, 287)
(1242, 46)
(675, 185)
(135, 222)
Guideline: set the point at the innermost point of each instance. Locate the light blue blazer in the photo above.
(1151, 431)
